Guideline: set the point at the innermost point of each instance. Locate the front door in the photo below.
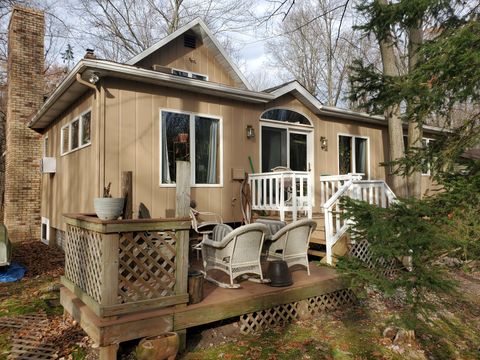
(282, 146)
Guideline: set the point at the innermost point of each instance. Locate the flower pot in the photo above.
(182, 137)
(160, 347)
(108, 208)
(279, 274)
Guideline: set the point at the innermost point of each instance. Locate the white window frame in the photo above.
(353, 152)
(190, 73)
(45, 146)
(46, 222)
(192, 148)
(80, 134)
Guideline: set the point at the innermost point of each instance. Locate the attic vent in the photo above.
(189, 41)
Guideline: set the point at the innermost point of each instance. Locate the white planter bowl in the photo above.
(108, 208)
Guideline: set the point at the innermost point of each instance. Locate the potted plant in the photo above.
(182, 137)
(106, 207)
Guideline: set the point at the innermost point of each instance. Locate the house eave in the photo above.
(69, 90)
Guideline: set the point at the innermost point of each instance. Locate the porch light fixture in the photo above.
(250, 132)
(323, 143)
(93, 79)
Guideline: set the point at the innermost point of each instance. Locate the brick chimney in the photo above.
(25, 96)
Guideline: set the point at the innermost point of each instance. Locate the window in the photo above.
(76, 134)
(193, 138)
(426, 142)
(86, 128)
(188, 74)
(45, 230)
(285, 115)
(353, 155)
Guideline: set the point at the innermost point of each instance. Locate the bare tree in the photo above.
(120, 29)
(315, 49)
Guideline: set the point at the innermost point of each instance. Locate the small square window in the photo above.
(86, 128)
(199, 77)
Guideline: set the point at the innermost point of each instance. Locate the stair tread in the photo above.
(317, 253)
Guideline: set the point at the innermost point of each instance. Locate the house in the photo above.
(184, 99)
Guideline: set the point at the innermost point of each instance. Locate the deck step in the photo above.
(318, 253)
(317, 240)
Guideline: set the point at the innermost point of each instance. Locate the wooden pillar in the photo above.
(108, 352)
(109, 275)
(127, 194)
(182, 209)
(52, 237)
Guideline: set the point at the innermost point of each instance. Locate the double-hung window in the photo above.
(76, 134)
(194, 138)
(353, 155)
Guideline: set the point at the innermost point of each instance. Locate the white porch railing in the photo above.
(330, 184)
(285, 191)
(375, 192)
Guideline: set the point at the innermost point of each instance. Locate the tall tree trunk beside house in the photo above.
(415, 131)
(392, 113)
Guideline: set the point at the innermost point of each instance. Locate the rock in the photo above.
(390, 332)
(404, 337)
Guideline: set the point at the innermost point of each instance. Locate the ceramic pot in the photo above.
(182, 137)
(279, 274)
(108, 208)
(160, 347)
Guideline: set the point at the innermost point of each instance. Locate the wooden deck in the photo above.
(218, 304)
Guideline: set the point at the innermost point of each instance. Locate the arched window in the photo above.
(286, 115)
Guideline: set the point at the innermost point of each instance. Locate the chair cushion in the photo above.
(272, 225)
(220, 231)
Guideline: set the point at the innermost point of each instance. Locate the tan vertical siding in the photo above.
(199, 60)
(75, 183)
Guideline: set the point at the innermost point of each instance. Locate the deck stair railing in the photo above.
(330, 184)
(375, 192)
(283, 191)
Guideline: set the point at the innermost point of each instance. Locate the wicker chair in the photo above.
(238, 253)
(290, 243)
(203, 224)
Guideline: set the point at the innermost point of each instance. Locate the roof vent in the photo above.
(90, 54)
(190, 41)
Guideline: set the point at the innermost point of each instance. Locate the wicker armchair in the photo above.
(238, 253)
(203, 224)
(290, 243)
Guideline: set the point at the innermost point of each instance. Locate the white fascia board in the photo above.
(182, 30)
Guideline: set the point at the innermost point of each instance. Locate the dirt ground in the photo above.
(368, 330)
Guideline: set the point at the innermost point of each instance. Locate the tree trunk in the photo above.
(415, 132)
(392, 113)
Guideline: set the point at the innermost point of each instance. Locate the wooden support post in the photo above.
(127, 194)
(182, 209)
(109, 281)
(52, 237)
(108, 352)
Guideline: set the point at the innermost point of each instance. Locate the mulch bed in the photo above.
(39, 259)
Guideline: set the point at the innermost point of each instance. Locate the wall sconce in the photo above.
(93, 79)
(323, 143)
(250, 132)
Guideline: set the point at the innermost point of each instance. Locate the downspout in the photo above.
(86, 83)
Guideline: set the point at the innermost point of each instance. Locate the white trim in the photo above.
(80, 133)
(353, 153)
(45, 221)
(183, 30)
(192, 116)
(427, 141)
(45, 146)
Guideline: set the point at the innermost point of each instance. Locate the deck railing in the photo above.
(330, 184)
(284, 191)
(123, 266)
(375, 192)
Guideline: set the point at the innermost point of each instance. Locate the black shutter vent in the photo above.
(189, 41)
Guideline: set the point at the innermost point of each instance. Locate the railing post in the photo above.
(294, 196)
(309, 196)
(282, 198)
(182, 209)
(109, 274)
(328, 236)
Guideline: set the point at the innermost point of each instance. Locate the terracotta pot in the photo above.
(108, 208)
(160, 347)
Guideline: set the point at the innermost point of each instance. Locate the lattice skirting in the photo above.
(279, 315)
(360, 249)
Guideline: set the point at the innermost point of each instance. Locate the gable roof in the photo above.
(201, 30)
